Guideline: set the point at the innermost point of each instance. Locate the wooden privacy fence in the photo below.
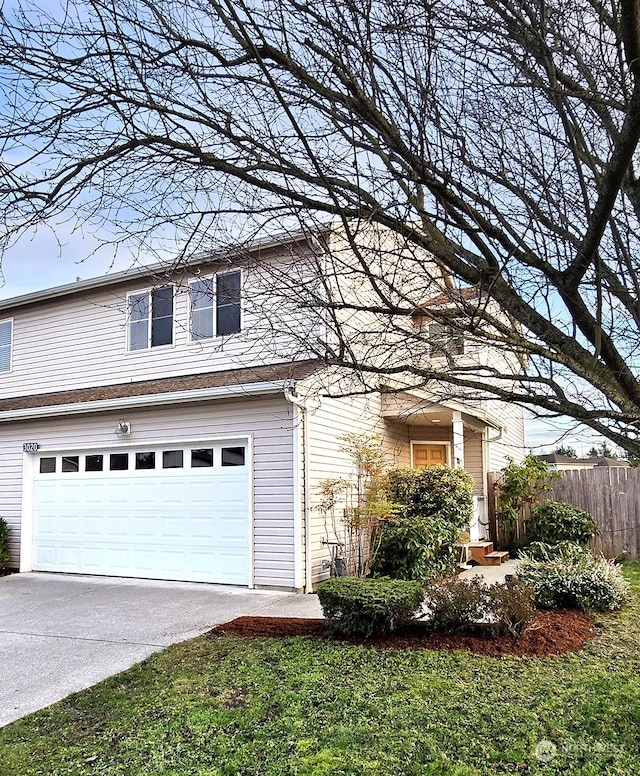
(611, 495)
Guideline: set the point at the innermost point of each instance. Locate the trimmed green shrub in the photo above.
(368, 607)
(582, 582)
(511, 607)
(437, 502)
(556, 521)
(5, 553)
(454, 604)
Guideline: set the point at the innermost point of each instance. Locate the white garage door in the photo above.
(180, 512)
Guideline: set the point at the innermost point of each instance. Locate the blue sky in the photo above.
(44, 259)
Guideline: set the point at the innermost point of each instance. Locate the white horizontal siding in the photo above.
(512, 440)
(267, 420)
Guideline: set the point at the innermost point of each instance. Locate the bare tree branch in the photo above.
(496, 141)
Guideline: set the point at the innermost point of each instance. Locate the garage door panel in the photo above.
(190, 524)
(44, 555)
(173, 527)
(116, 526)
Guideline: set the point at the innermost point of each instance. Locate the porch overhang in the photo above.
(417, 407)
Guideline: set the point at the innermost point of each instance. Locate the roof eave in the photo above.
(147, 400)
(160, 269)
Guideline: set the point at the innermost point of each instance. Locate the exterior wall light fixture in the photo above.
(123, 429)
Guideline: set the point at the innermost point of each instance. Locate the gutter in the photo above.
(304, 417)
(498, 436)
(146, 400)
(162, 271)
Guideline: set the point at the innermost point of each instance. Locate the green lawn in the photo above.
(301, 706)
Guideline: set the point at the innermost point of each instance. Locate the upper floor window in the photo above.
(151, 318)
(445, 340)
(6, 336)
(215, 306)
(202, 306)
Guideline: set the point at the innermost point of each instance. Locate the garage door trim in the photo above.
(31, 475)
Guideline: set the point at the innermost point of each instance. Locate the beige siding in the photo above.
(327, 425)
(267, 420)
(80, 341)
(387, 271)
(473, 460)
(511, 443)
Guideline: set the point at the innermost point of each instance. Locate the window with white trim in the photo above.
(6, 337)
(151, 318)
(215, 306)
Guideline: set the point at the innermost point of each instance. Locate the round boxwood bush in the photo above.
(556, 521)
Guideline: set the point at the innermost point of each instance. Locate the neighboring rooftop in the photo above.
(565, 461)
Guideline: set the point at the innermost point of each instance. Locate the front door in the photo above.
(429, 455)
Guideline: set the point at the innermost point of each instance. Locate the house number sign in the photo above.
(30, 447)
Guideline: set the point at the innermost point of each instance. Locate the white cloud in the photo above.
(544, 435)
(44, 259)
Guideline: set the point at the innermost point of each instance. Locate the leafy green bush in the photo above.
(583, 581)
(520, 485)
(436, 503)
(368, 607)
(556, 521)
(415, 548)
(455, 604)
(5, 553)
(511, 607)
(434, 490)
(569, 551)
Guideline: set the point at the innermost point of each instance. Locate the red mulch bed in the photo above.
(550, 633)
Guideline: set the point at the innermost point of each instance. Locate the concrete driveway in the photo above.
(60, 634)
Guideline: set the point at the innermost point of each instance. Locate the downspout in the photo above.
(306, 485)
(486, 441)
(490, 526)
